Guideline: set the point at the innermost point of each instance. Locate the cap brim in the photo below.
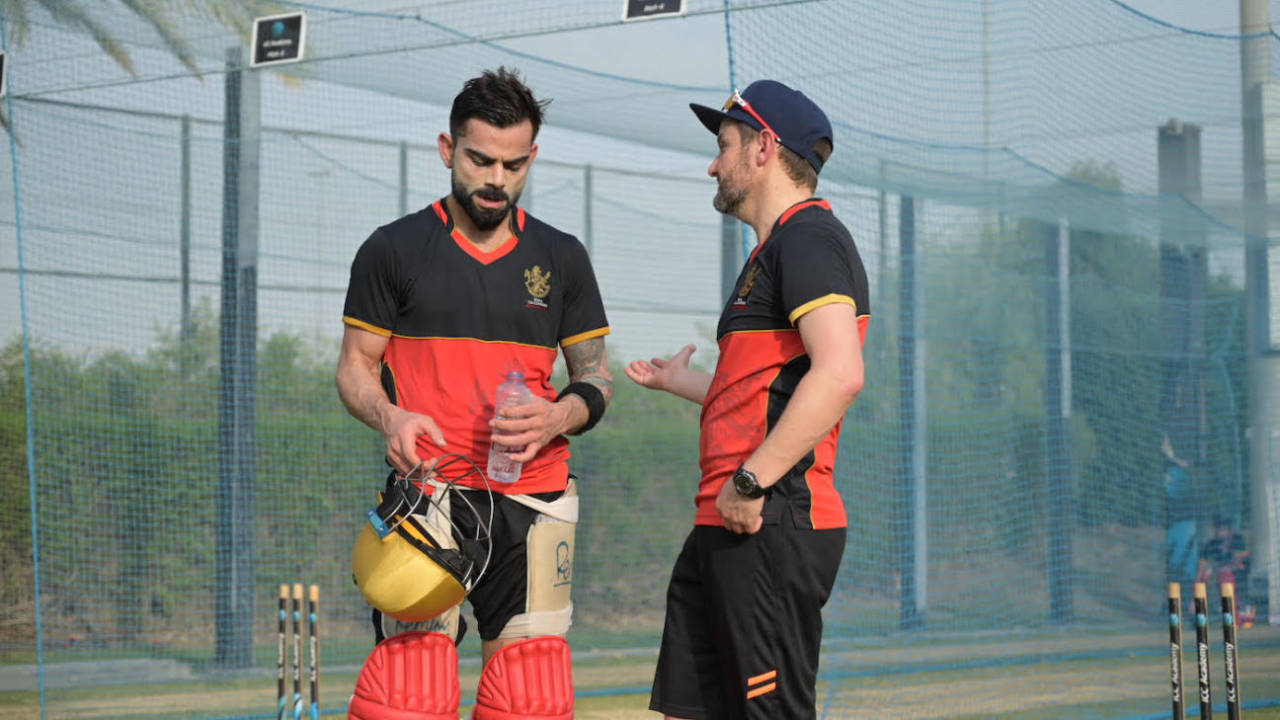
(710, 117)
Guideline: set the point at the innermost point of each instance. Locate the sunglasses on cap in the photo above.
(737, 99)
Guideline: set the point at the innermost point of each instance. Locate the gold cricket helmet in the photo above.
(403, 568)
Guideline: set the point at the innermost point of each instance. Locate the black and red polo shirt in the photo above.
(459, 319)
(809, 260)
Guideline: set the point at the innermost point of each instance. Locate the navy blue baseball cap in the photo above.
(793, 118)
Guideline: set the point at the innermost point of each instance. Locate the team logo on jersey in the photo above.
(538, 283)
(748, 281)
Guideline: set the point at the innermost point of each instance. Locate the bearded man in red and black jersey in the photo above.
(743, 623)
(441, 305)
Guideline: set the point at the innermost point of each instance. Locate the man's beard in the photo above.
(485, 219)
(728, 199)
(729, 194)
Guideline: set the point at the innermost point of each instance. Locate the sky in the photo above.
(1210, 15)
(691, 49)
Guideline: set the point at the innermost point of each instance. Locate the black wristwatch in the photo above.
(744, 481)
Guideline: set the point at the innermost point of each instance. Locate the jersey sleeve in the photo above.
(818, 267)
(583, 316)
(374, 291)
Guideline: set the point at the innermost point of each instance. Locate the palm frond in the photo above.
(70, 14)
(239, 15)
(159, 19)
(236, 15)
(16, 20)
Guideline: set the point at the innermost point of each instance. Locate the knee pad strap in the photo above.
(410, 676)
(527, 679)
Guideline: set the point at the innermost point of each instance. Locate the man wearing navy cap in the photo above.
(744, 622)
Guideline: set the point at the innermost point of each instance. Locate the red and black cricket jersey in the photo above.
(459, 319)
(809, 260)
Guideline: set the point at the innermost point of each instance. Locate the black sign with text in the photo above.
(647, 9)
(278, 39)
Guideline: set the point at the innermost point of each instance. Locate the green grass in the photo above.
(1023, 676)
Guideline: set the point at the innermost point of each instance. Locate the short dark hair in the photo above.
(499, 98)
(797, 168)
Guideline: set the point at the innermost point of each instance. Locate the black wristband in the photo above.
(594, 399)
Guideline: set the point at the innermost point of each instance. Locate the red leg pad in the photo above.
(410, 676)
(528, 679)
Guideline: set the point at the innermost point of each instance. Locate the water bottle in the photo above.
(512, 391)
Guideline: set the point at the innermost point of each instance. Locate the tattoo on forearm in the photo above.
(587, 363)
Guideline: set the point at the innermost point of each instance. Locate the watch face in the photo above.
(745, 484)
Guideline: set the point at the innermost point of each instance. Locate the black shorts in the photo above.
(501, 593)
(744, 623)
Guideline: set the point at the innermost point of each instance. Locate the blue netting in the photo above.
(986, 513)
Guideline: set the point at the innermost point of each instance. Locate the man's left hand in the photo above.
(528, 427)
(741, 515)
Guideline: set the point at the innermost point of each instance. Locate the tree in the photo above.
(159, 14)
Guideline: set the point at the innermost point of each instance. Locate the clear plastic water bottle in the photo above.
(511, 392)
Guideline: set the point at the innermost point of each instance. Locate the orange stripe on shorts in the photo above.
(757, 679)
(762, 690)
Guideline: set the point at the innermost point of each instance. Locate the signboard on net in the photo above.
(650, 9)
(278, 39)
